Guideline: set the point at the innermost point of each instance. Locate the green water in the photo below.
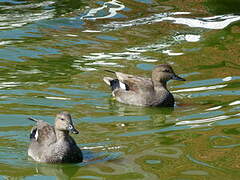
(52, 57)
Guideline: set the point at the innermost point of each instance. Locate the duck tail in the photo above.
(33, 119)
(109, 71)
(115, 83)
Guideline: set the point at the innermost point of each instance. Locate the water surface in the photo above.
(52, 57)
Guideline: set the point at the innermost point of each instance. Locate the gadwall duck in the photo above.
(141, 91)
(53, 144)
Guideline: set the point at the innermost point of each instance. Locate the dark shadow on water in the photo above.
(60, 171)
(67, 171)
(220, 65)
(100, 157)
(66, 6)
(138, 110)
(223, 6)
(154, 117)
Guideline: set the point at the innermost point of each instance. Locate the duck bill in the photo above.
(72, 129)
(175, 77)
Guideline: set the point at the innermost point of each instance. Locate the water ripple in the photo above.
(107, 10)
(207, 120)
(234, 103)
(201, 88)
(215, 22)
(220, 142)
(94, 59)
(141, 21)
(32, 5)
(202, 163)
(8, 21)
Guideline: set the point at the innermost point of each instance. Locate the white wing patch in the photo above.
(113, 94)
(122, 85)
(36, 135)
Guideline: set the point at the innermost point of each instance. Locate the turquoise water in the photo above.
(52, 57)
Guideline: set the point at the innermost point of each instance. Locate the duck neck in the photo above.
(159, 85)
(61, 134)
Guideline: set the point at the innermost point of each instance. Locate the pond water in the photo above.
(52, 58)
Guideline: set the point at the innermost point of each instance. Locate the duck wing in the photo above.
(135, 83)
(129, 82)
(43, 133)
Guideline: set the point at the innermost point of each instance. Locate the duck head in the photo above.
(63, 122)
(164, 73)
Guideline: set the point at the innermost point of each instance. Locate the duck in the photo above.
(142, 91)
(53, 144)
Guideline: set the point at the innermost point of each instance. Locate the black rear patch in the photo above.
(33, 133)
(115, 84)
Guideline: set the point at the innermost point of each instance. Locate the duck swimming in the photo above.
(53, 144)
(141, 91)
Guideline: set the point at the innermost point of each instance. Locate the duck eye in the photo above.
(166, 70)
(62, 119)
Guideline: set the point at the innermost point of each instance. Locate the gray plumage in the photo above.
(53, 144)
(141, 91)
